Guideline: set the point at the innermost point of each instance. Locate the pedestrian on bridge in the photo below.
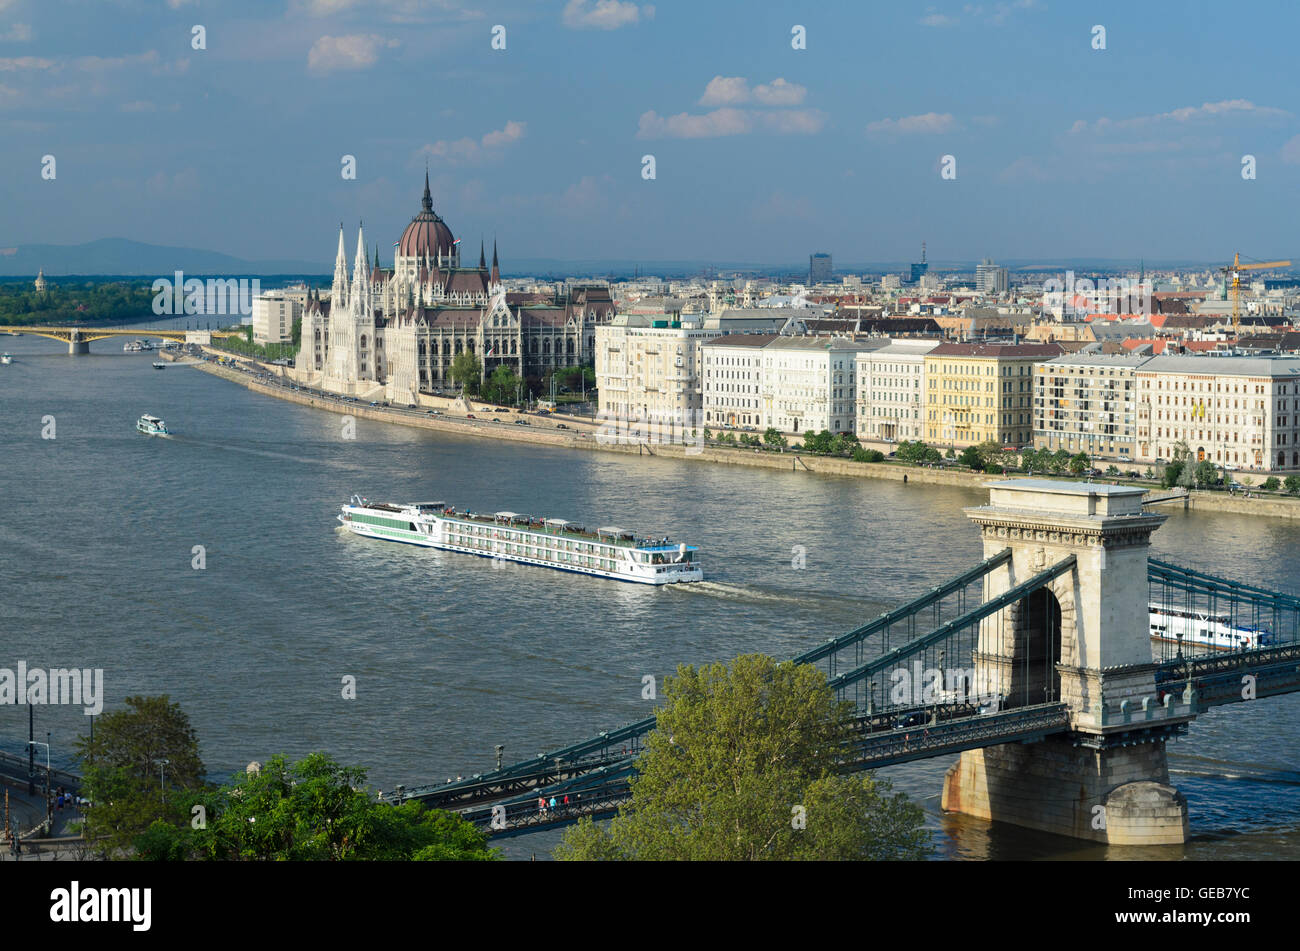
(541, 805)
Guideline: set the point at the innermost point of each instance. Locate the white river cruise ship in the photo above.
(550, 542)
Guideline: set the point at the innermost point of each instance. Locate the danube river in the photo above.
(452, 656)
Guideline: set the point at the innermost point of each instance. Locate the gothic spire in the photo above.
(427, 201)
(482, 262)
(496, 271)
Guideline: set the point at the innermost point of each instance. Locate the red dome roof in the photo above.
(427, 233)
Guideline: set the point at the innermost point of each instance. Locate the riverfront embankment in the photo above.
(582, 434)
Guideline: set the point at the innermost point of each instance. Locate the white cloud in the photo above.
(1291, 151)
(734, 90)
(14, 64)
(929, 123)
(18, 33)
(728, 121)
(459, 151)
(725, 90)
(1206, 110)
(779, 93)
(604, 14)
(356, 51)
(719, 122)
(938, 19)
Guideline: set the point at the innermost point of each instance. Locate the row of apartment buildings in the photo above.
(1235, 411)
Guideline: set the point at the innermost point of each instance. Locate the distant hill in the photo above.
(120, 256)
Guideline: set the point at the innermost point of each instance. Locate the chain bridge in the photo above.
(1058, 668)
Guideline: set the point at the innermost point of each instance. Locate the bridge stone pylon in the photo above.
(1083, 639)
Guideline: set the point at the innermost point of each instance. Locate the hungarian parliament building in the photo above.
(399, 329)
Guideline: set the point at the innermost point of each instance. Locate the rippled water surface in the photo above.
(452, 656)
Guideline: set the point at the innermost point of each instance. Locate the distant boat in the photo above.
(159, 365)
(152, 426)
(132, 347)
(6, 359)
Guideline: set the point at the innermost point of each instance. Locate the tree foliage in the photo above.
(123, 773)
(466, 371)
(737, 759)
(312, 810)
(772, 436)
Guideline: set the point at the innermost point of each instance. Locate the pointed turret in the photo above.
(339, 290)
(496, 270)
(482, 261)
(427, 201)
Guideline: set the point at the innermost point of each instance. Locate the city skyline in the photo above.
(763, 153)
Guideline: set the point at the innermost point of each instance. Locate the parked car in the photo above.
(470, 416)
(522, 422)
(411, 406)
(561, 426)
(373, 403)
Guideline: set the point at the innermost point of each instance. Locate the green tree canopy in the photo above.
(124, 774)
(466, 370)
(312, 810)
(737, 757)
(772, 436)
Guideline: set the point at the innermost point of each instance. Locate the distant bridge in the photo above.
(1083, 710)
(79, 339)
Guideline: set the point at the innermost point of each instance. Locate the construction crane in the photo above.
(1234, 271)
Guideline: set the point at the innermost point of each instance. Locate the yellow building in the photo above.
(981, 392)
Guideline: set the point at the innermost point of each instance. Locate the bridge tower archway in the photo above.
(1081, 639)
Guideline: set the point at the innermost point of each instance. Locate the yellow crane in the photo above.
(1234, 271)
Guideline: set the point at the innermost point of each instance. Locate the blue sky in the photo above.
(763, 153)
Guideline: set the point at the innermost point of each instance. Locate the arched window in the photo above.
(363, 341)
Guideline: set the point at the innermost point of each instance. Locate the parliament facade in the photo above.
(397, 330)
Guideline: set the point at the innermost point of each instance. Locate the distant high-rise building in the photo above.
(989, 278)
(819, 268)
(919, 268)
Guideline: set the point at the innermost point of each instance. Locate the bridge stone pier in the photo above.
(1082, 639)
(77, 345)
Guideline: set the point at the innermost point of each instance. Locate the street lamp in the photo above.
(49, 812)
(162, 765)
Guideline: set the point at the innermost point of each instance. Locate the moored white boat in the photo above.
(1202, 629)
(6, 359)
(507, 536)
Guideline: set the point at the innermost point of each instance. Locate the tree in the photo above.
(1172, 475)
(125, 778)
(1292, 485)
(502, 386)
(950, 453)
(970, 456)
(466, 371)
(991, 454)
(737, 752)
(296, 333)
(1030, 459)
(1060, 461)
(1078, 463)
(1182, 452)
(1112, 470)
(868, 455)
(1270, 484)
(313, 810)
(820, 443)
(772, 436)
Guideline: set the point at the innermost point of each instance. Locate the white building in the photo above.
(731, 379)
(273, 315)
(891, 391)
(648, 370)
(1241, 412)
(809, 384)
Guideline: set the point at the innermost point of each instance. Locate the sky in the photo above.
(762, 152)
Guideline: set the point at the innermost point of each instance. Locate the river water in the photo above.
(452, 656)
